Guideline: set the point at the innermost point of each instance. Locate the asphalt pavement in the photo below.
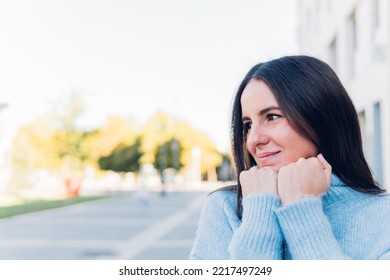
(129, 225)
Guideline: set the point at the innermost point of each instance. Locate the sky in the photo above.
(135, 58)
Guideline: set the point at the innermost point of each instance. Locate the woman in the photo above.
(304, 189)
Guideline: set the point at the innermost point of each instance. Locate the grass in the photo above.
(42, 204)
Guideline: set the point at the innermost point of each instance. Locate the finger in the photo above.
(323, 161)
(327, 167)
(242, 175)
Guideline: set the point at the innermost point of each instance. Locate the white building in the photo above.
(4, 164)
(353, 36)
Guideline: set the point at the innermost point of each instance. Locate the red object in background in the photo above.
(73, 186)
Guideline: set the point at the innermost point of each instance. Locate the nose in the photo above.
(257, 136)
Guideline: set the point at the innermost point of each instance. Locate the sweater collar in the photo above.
(336, 181)
(338, 191)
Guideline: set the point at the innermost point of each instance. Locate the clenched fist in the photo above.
(259, 180)
(306, 177)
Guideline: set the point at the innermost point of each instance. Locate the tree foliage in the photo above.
(68, 138)
(56, 142)
(161, 128)
(116, 131)
(124, 158)
(33, 145)
(168, 155)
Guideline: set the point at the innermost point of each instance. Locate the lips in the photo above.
(266, 157)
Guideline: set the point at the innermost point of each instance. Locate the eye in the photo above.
(247, 126)
(272, 117)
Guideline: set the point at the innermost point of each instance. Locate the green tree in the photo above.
(168, 155)
(69, 139)
(161, 128)
(124, 158)
(116, 131)
(157, 130)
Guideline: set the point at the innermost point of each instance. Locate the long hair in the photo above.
(318, 107)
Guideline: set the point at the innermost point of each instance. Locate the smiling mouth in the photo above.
(264, 158)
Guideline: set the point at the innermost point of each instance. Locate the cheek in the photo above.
(251, 148)
(302, 148)
(297, 146)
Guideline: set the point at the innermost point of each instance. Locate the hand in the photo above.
(306, 177)
(258, 180)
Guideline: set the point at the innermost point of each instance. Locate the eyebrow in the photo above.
(263, 112)
(266, 110)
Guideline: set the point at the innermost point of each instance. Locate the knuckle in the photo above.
(283, 169)
(315, 162)
(243, 175)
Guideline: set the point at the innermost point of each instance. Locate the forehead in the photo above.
(257, 95)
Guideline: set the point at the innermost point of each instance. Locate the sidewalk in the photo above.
(114, 228)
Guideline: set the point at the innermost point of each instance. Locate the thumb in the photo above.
(327, 168)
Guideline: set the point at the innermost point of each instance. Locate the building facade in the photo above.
(4, 150)
(353, 36)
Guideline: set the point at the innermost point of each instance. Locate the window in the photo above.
(377, 168)
(333, 54)
(363, 130)
(375, 15)
(352, 44)
(377, 33)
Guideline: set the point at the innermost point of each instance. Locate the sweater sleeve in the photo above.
(307, 231)
(221, 235)
(214, 229)
(259, 235)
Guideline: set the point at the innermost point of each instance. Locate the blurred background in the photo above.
(125, 106)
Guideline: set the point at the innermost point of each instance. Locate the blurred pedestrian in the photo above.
(143, 198)
(304, 189)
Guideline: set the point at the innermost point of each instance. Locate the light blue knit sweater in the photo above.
(344, 224)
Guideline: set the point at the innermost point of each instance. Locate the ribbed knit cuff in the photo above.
(307, 230)
(259, 235)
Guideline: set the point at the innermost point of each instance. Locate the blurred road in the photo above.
(121, 227)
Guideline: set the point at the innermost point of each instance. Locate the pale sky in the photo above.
(185, 58)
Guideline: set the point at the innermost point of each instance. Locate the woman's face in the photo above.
(269, 137)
